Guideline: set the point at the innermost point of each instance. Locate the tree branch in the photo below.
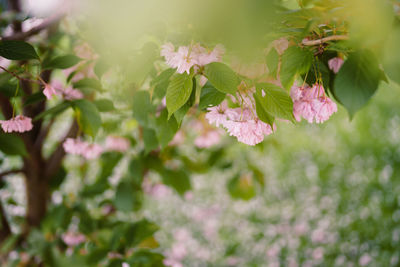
(324, 40)
(5, 229)
(53, 163)
(44, 25)
(5, 173)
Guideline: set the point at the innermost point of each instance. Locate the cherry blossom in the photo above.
(49, 91)
(79, 147)
(208, 139)
(116, 143)
(335, 64)
(216, 115)
(19, 124)
(73, 239)
(188, 56)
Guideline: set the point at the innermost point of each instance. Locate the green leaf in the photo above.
(104, 105)
(88, 83)
(180, 113)
(54, 110)
(178, 92)
(125, 197)
(272, 62)
(276, 101)
(88, 116)
(139, 231)
(166, 129)
(62, 62)
(241, 187)
(210, 96)
(262, 113)
(12, 145)
(294, 61)
(17, 50)
(142, 107)
(322, 70)
(222, 77)
(150, 140)
(34, 98)
(161, 83)
(177, 179)
(357, 80)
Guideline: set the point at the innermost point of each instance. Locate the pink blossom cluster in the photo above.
(79, 147)
(54, 88)
(73, 239)
(241, 123)
(312, 103)
(92, 151)
(189, 56)
(19, 124)
(208, 135)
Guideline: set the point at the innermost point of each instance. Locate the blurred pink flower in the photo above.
(19, 123)
(318, 236)
(49, 91)
(365, 259)
(208, 139)
(116, 143)
(79, 147)
(73, 239)
(72, 94)
(335, 64)
(318, 253)
(178, 139)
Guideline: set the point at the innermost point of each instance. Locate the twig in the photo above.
(46, 24)
(324, 40)
(19, 77)
(5, 173)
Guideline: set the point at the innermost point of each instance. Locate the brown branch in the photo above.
(5, 229)
(53, 163)
(324, 40)
(19, 77)
(44, 25)
(5, 173)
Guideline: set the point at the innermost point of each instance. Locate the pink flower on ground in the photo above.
(49, 91)
(335, 64)
(365, 260)
(116, 143)
(318, 253)
(73, 239)
(281, 45)
(216, 115)
(19, 124)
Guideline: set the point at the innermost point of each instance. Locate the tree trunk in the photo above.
(5, 230)
(36, 196)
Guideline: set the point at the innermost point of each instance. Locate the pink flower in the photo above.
(324, 108)
(335, 64)
(312, 103)
(79, 147)
(92, 151)
(49, 91)
(216, 115)
(186, 57)
(72, 94)
(249, 132)
(365, 259)
(318, 253)
(115, 143)
(208, 139)
(281, 45)
(178, 139)
(19, 124)
(73, 239)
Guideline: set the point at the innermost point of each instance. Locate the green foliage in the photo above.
(12, 145)
(357, 80)
(178, 92)
(295, 61)
(142, 107)
(17, 50)
(222, 77)
(104, 105)
(241, 187)
(276, 102)
(272, 60)
(61, 62)
(88, 116)
(210, 96)
(54, 111)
